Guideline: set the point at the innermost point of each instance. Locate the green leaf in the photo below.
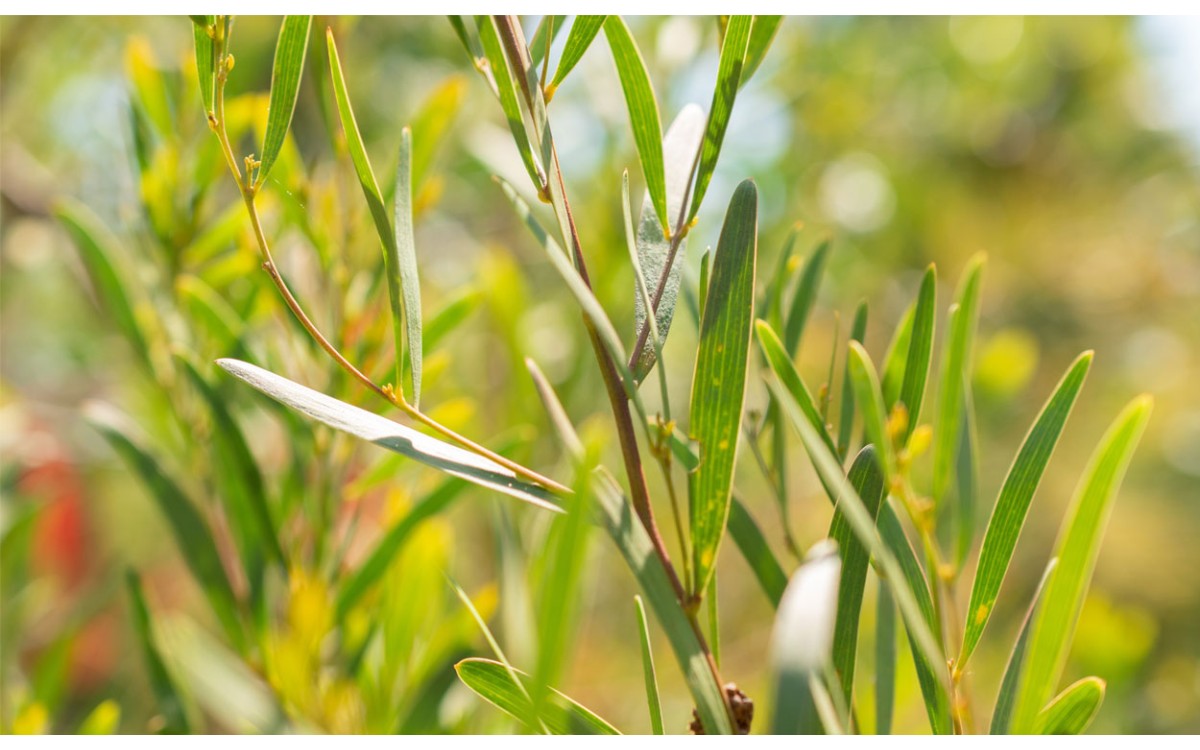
(191, 531)
(802, 640)
(885, 659)
(1077, 548)
(891, 553)
(805, 298)
(449, 318)
(867, 481)
(869, 398)
(356, 584)
(966, 475)
(630, 536)
(205, 59)
(1012, 505)
(643, 113)
(896, 358)
(653, 248)
(956, 369)
(290, 51)
(754, 548)
(395, 437)
(652, 700)
(506, 91)
(101, 257)
(555, 411)
(1002, 715)
(402, 271)
(858, 330)
(762, 33)
(1073, 710)
(166, 696)
(729, 75)
(242, 486)
(719, 383)
(583, 31)
(543, 37)
(491, 681)
(920, 351)
(432, 123)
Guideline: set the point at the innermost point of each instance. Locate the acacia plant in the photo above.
(915, 532)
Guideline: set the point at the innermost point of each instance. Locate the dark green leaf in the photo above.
(885, 659)
(290, 51)
(867, 481)
(643, 113)
(966, 475)
(395, 437)
(754, 548)
(491, 681)
(729, 75)
(583, 31)
(166, 696)
(804, 298)
(719, 383)
(1073, 710)
(920, 351)
(1012, 505)
(1078, 545)
(192, 533)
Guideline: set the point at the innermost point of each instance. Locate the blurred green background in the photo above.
(1060, 147)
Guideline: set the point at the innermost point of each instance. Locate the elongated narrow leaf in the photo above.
(192, 533)
(729, 76)
(543, 37)
(395, 265)
(583, 31)
(643, 114)
(754, 548)
(653, 248)
(166, 696)
(1013, 503)
(241, 483)
(867, 481)
(1002, 715)
(290, 51)
(719, 383)
(956, 368)
(205, 63)
(1077, 548)
(966, 476)
(891, 553)
(762, 33)
(896, 357)
(920, 350)
(395, 437)
(1073, 710)
(870, 401)
(359, 582)
(631, 539)
(98, 249)
(885, 659)
(431, 125)
(858, 330)
(802, 640)
(506, 90)
(492, 682)
(402, 270)
(652, 701)
(804, 298)
(555, 411)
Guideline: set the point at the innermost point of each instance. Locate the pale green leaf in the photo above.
(402, 271)
(920, 351)
(762, 33)
(491, 681)
(205, 58)
(652, 700)
(858, 330)
(956, 368)
(1072, 710)
(1002, 715)
(804, 298)
(290, 51)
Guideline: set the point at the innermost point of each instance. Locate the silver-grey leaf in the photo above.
(391, 435)
(680, 146)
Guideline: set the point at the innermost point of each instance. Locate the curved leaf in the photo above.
(583, 31)
(1073, 710)
(1012, 505)
(652, 700)
(762, 33)
(290, 51)
(1002, 715)
(562, 715)
(719, 383)
(920, 351)
(804, 298)
(754, 548)
(956, 368)
(729, 75)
